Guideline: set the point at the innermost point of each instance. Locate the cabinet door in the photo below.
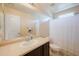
(40, 51)
(46, 49)
(36, 52)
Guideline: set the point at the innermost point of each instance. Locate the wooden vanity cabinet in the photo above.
(40, 51)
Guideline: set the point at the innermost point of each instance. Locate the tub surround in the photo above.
(23, 47)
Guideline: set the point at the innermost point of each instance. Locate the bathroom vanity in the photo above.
(35, 47)
(40, 51)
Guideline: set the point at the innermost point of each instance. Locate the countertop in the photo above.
(22, 47)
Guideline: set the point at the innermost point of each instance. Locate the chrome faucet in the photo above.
(30, 37)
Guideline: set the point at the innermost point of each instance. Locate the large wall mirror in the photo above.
(14, 23)
(1, 22)
(9, 22)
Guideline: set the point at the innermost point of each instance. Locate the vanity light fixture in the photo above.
(29, 6)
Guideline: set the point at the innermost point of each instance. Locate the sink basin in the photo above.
(27, 43)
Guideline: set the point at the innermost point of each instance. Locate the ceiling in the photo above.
(39, 10)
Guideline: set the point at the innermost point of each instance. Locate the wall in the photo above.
(65, 33)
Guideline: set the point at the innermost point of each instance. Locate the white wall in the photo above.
(65, 33)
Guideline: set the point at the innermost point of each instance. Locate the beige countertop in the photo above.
(22, 47)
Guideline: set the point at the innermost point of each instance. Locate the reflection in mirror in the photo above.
(1, 22)
(12, 22)
(15, 23)
(12, 27)
(26, 25)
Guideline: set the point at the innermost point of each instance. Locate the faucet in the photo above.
(30, 34)
(30, 37)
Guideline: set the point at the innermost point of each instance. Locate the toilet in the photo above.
(55, 50)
